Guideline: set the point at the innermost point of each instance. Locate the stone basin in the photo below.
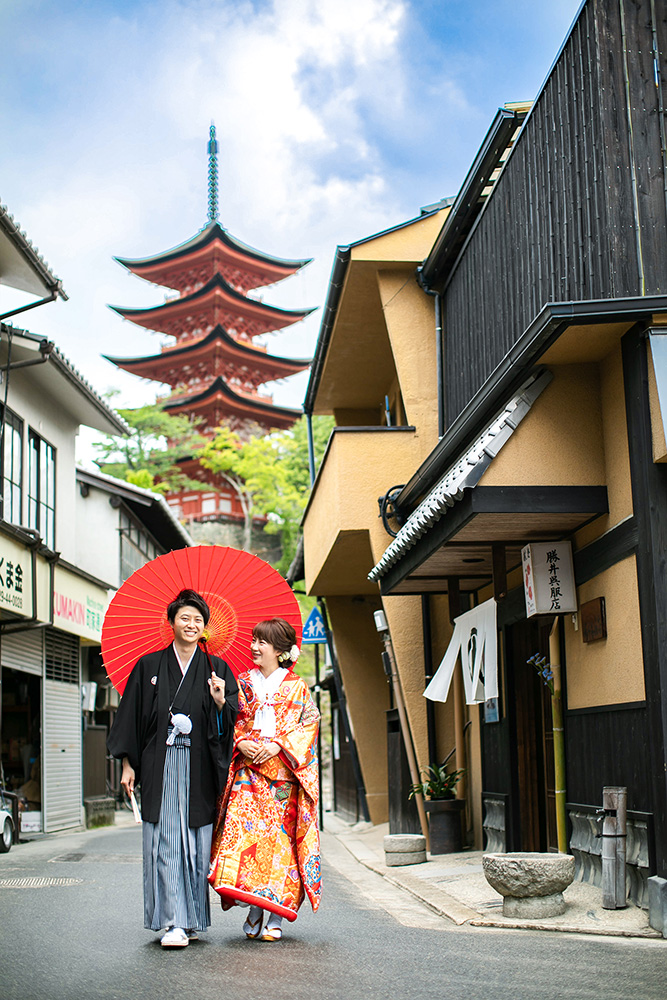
(531, 884)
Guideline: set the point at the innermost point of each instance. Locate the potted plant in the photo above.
(443, 808)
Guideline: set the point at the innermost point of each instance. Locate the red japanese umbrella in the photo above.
(239, 588)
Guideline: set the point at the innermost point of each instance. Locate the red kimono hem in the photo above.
(239, 896)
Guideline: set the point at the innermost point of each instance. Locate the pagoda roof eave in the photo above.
(142, 316)
(220, 386)
(217, 334)
(206, 235)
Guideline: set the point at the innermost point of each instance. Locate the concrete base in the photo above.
(404, 849)
(534, 907)
(657, 904)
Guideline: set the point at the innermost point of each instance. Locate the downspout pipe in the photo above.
(311, 447)
(439, 350)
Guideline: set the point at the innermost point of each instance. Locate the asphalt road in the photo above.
(85, 939)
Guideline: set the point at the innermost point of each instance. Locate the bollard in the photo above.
(614, 811)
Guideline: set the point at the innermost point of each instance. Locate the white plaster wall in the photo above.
(46, 415)
(97, 538)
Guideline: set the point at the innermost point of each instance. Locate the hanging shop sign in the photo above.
(15, 577)
(475, 639)
(548, 578)
(78, 605)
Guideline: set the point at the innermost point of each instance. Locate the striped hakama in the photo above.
(176, 857)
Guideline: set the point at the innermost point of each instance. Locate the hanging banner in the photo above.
(475, 639)
(548, 578)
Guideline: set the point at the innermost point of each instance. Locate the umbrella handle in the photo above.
(208, 655)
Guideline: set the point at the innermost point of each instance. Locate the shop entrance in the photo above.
(529, 703)
(21, 736)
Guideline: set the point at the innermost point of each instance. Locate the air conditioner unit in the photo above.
(108, 698)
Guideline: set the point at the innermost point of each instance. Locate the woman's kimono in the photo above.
(265, 849)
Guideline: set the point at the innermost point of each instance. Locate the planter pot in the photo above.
(531, 884)
(444, 824)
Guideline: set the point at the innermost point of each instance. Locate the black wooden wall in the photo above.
(580, 210)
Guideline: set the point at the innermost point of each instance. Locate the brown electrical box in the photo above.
(593, 620)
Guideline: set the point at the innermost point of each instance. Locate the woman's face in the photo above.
(263, 653)
(188, 625)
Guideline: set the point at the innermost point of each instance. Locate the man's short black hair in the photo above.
(189, 598)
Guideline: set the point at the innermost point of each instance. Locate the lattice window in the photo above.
(61, 656)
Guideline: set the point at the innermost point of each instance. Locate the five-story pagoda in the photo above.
(214, 366)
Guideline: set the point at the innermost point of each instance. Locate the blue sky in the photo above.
(335, 118)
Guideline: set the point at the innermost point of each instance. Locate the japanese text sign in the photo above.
(15, 577)
(548, 578)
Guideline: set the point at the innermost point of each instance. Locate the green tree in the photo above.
(148, 457)
(270, 476)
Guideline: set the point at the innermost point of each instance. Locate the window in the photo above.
(136, 546)
(42, 488)
(12, 468)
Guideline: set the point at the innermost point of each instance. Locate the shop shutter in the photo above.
(24, 651)
(61, 732)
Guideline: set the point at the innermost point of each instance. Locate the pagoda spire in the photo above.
(212, 176)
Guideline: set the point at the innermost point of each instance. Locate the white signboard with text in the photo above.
(548, 578)
(78, 605)
(15, 577)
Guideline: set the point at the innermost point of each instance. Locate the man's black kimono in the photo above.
(139, 731)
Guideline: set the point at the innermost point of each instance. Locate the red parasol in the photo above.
(239, 588)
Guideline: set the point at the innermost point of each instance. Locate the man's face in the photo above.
(188, 625)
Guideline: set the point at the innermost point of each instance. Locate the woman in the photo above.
(266, 842)
(174, 731)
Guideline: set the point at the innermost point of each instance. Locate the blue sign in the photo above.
(313, 630)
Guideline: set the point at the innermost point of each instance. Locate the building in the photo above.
(214, 366)
(549, 279)
(63, 550)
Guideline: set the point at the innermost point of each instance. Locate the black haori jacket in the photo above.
(139, 731)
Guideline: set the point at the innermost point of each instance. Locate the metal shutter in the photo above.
(61, 733)
(24, 651)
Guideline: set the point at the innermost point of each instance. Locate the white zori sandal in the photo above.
(175, 937)
(252, 926)
(274, 929)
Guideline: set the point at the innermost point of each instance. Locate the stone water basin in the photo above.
(530, 883)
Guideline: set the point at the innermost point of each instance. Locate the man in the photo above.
(174, 732)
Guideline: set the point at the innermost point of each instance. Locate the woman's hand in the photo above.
(217, 686)
(248, 748)
(127, 777)
(265, 751)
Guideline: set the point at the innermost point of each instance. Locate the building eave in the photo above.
(21, 265)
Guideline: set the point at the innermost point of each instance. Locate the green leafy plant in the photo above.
(439, 783)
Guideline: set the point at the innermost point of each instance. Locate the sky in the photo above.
(335, 119)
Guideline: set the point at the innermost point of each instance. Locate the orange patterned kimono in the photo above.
(266, 845)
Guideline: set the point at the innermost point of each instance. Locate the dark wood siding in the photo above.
(579, 211)
(608, 747)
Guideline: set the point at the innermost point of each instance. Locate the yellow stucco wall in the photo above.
(410, 319)
(359, 652)
(560, 441)
(359, 467)
(609, 671)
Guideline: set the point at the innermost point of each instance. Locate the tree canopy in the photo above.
(270, 474)
(148, 457)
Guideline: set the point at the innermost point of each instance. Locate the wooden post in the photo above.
(407, 736)
(455, 609)
(614, 807)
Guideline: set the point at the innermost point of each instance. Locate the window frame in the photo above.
(13, 430)
(41, 514)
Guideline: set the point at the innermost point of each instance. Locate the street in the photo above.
(84, 938)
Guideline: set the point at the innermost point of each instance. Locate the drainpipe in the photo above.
(311, 447)
(439, 352)
(559, 740)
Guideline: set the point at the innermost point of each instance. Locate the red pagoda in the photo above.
(214, 366)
